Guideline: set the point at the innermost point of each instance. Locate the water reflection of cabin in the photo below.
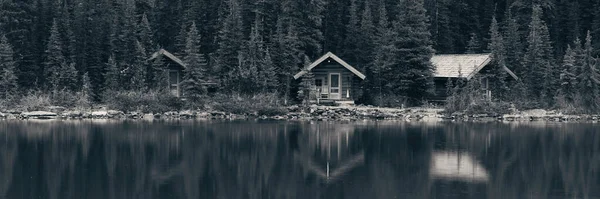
(176, 68)
(335, 80)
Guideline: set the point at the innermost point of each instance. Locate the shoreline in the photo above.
(295, 113)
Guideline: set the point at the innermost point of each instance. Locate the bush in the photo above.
(488, 107)
(389, 100)
(35, 101)
(259, 104)
(69, 99)
(147, 102)
(10, 102)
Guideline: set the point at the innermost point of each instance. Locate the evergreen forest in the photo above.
(99, 50)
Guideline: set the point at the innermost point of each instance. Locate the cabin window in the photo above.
(174, 82)
(318, 83)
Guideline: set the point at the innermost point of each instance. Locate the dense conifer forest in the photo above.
(100, 49)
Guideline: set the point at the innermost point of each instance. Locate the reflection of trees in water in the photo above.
(289, 160)
(540, 161)
(8, 153)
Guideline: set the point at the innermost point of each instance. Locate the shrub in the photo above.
(69, 99)
(147, 102)
(260, 104)
(389, 100)
(35, 101)
(10, 102)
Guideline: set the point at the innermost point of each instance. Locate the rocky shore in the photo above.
(302, 113)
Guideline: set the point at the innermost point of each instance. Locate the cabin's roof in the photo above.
(335, 58)
(462, 65)
(169, 55)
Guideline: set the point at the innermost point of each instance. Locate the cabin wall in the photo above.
(323, 71)
(440, 88)
(175, 76)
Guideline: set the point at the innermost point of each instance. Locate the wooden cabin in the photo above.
(456, 66)
(335, 80)
(176, 68)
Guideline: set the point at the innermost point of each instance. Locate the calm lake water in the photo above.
(187, 159)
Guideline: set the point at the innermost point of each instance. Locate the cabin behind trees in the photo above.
(337, 81)
(453, 67)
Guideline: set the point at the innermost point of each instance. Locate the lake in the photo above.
(247, 159)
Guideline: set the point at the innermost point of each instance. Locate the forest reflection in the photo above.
(191, 159)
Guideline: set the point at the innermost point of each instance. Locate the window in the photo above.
(318, 82)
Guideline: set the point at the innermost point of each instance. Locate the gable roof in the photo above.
(465, 65)
(335, 58)
(169, 55)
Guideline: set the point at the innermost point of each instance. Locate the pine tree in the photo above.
(366, 40)
(498, 53)
(185, 21)
(259, 59)
(86, 88)
(145, 35)
(16, 21)
(8, 79)
(350, 50)
(384, 54)
(304, 19)
(568, 78)
(230, 41)
(441, 28)
(196, 66)
(66, 79)
(589, 79)
(54, 59)
(287, 50)
(540, 74)
(595, 28)
(308, 81)
(268, 73)
(513, 45)
(113, 75)
(412, 70)
(473, 46)
(137, 70)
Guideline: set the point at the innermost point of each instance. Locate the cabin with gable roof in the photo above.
(463, 66)
(335, 80)
(176, 69)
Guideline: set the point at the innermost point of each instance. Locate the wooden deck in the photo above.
(333, 102)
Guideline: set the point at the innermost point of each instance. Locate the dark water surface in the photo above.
(109, 159)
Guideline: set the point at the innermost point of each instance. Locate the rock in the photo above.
(203, 114)
(39, 115)
(11, 117)
(148, 116)
(187, 114)
(135, 115)
(99, 114)
(114, 114)
(14, 112)
(536, 113)
(72, 114)
(171, 115)
(56, 109)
